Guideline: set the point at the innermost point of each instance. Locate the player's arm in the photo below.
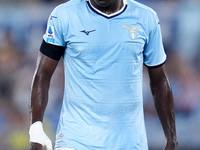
(40, 86)
(46, 64)
(163, 100)
(39, 98)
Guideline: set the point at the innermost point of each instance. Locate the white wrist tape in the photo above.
(37, 135)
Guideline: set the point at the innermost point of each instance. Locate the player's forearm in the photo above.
(163, 100)
(40, 86)
(39, 97)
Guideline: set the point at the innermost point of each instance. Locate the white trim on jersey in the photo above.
(109, 15)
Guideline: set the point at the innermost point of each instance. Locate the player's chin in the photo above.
(103, 3)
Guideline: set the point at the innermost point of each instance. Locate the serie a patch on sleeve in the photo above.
(50, 34)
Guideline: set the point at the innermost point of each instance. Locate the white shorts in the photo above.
(63, 148)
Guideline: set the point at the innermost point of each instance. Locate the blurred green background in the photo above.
(22, 25)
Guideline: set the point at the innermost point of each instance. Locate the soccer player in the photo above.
(104, 44)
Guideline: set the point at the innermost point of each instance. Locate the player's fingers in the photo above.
(35, 146)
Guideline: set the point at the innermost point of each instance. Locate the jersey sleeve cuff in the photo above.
(156, 66)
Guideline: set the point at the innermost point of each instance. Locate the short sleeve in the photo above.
(154, 54)
(54, 30)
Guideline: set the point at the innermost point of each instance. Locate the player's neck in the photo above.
(109, 8)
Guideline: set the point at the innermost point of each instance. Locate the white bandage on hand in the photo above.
(37, 135)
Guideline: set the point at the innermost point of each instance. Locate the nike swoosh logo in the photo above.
(87, 32)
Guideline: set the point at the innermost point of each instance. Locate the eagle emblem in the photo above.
(132, 31)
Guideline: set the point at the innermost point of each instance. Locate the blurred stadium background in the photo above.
(22, 24)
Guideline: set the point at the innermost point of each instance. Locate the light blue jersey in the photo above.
(103, 103)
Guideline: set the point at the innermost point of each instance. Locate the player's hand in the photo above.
(171, 146)
(38, 138)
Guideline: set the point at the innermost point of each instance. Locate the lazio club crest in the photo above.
(132, 31)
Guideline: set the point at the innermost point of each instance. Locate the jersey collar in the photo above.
(109, 15)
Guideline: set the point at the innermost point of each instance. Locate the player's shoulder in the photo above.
(69, 4)
(141, 7)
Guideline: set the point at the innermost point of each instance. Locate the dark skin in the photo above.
(159, 84)
(163, 101)
(39, 93)
(107, 6)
